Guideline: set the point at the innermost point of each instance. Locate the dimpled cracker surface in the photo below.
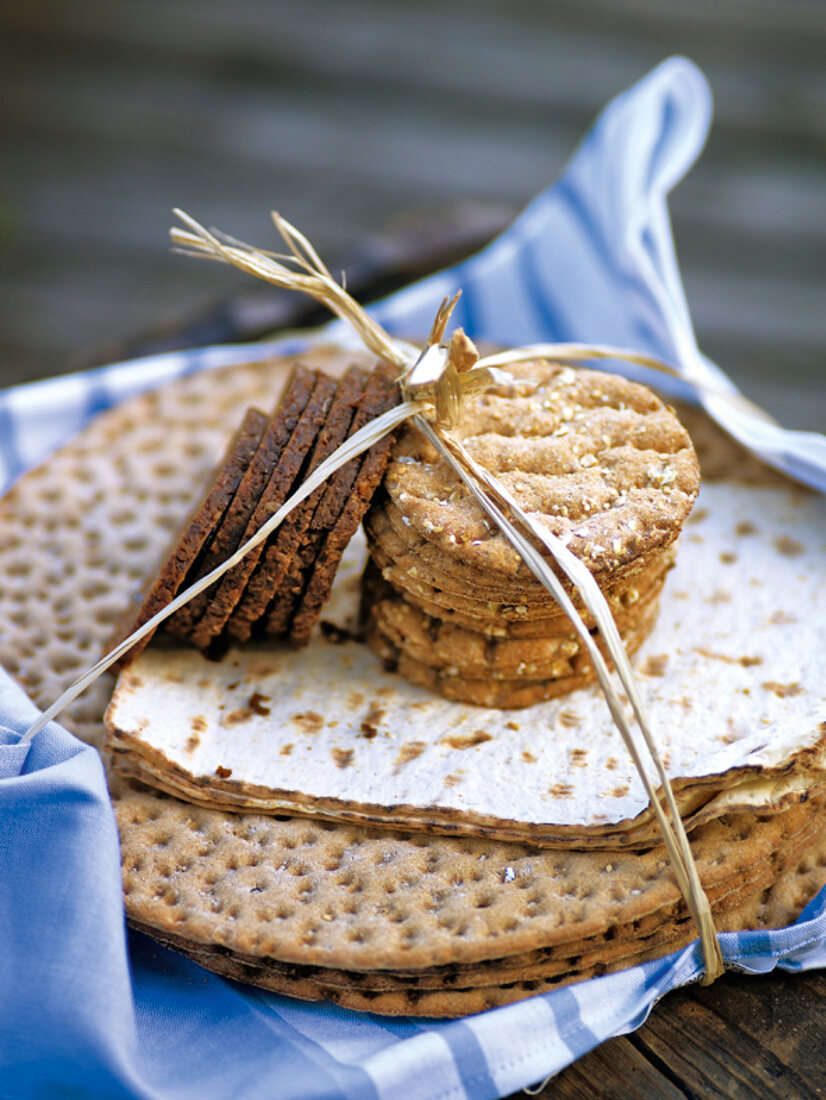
(351, 898)
(450, 991)
(777, 905)
(596, 459)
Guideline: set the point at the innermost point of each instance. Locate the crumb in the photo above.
(256, 703)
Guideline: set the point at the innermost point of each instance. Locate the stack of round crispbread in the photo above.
(599, 461)
(370, 918)
(279, 587)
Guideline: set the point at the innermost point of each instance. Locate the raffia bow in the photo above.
(434, 382)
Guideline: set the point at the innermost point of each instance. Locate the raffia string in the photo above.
(436, 382)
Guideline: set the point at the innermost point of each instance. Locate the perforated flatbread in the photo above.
(772, 896)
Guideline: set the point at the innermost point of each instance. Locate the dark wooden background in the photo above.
(366, 116)
(364, 122)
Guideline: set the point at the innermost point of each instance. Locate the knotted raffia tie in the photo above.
(434, 383)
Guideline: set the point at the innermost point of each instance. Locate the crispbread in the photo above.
(474, 654)
(285, 469)
(241, 881)
(381, 395)
(774, 907)
(417, 561)
(463, 989)
(283, 545)
(621, 940)
(230, 531)
(192, 540)
(346, 495)
(355, 899)
(531, 685)
(596, 459)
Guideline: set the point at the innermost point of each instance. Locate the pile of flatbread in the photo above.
(314, 824)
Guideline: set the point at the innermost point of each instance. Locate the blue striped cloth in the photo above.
(91, 1010)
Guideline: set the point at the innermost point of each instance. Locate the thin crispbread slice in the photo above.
(285, 472)
(380, 393)
(229, 532)
(283, 545)
(194, 535)
(319, 585)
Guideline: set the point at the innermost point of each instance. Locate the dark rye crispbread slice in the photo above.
(229, 532)
(193, 536)
(317, 590)
(597, 460)
(283, 545)
(286, 472)
(346, 497)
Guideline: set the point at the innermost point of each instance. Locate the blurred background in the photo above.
(396, 135)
